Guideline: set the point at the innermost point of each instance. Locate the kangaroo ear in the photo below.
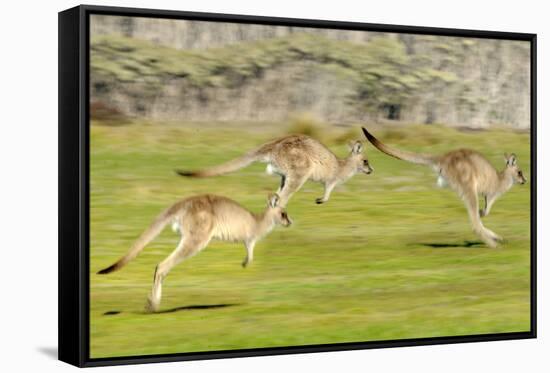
(273, 200)
(511, 160)
(356, 147)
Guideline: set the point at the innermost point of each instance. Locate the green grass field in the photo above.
(390, 256)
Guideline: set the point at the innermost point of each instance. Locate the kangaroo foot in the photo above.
(150, 306)
(491, 243)
(498, 238)
(494, 236)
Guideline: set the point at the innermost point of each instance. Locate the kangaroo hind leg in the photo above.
(489, 200)
(472, 205)
(292, 184)
(282, 186)
(187, 247)
(272, 170)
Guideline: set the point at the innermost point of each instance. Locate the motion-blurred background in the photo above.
(190, 70)
(390, 256)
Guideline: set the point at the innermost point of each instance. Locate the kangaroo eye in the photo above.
(365, 162)
(520, 173)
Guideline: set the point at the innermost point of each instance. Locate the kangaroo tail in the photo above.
(224, 168)
(425, 159)
(146, 237)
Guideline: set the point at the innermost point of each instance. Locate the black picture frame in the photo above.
(74, 203)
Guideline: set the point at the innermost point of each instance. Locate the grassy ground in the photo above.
(390, 256)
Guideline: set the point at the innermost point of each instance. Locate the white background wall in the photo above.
(28, 185)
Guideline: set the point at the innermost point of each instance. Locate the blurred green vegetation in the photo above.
(390, 256)
(382, 71)
(343, 79)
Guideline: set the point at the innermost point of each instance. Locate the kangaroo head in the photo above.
(276, 212)
(513, 170)
(358, 160)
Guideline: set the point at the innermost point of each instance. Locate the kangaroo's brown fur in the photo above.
(470, 174)
(199, 219)
(298, 158)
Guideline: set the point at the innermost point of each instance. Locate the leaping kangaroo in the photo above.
(199, 219)
(470, 174)
(296, 159)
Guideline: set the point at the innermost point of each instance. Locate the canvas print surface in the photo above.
(259, 186)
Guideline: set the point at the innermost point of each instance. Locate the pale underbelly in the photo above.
(442, 182)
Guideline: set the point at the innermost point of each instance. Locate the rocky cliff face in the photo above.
(205, 71)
